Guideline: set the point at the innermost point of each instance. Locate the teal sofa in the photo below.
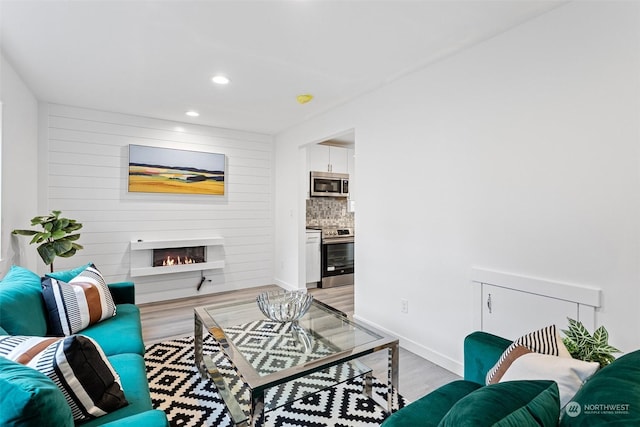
(28, 397)
(610, 397)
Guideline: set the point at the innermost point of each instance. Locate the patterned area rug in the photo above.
(190, 401)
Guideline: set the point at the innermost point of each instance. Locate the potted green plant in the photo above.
(584, 346)
(55, 238)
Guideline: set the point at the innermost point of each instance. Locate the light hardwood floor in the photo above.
(173, 319)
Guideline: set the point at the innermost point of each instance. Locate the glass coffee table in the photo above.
(262, 363)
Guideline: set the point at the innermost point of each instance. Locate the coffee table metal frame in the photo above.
(258, 384)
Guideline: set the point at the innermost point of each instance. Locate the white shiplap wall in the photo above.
(87, 166)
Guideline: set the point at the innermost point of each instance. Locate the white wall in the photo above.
(19, 166)
(87, 162)
(521, 154)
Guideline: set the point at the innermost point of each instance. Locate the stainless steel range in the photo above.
(337, 256)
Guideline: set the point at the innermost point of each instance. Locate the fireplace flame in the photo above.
(177, 261)
(178, 256)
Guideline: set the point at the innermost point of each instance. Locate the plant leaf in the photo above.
(24, 232)
(38, 220)
(580, 334)
(58, 234)
(61, 246)
(73, 226)
(61, 223)
(572, 332)
(40, 237)
(69, 253)
(47, 253)
(600, 335)
(606, 348)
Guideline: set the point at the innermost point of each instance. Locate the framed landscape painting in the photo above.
(168, 170)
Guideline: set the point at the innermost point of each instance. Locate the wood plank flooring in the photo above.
(167, 320)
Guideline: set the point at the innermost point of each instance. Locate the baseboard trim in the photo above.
(285, 285)
(422, 351)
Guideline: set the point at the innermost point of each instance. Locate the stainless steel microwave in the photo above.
(328, 184)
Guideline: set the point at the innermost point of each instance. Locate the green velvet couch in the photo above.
(29, 398)
(610, 397)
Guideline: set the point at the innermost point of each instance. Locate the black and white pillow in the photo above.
(73, 306)
(77, 365)
(544, 341)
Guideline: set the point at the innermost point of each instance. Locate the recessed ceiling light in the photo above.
(192, 113)
(220, 79)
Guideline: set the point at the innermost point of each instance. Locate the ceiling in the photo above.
(156, 58)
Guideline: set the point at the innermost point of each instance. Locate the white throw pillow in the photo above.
(568, 373)
(544, 341)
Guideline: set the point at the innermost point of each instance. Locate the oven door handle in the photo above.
(333, 241)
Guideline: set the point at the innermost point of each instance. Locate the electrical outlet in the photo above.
(404, 306)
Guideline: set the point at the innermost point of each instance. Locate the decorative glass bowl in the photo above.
(284, 306)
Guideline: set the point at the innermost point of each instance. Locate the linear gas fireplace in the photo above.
(152, 257)
(178, 256)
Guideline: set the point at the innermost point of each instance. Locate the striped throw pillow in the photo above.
(544, 341)
(73, 306)
(77, 365)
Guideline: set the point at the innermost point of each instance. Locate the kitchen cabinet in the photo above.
(327, 158)
(313, 262)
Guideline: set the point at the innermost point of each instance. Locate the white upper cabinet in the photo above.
(325, 158)
(339, 159)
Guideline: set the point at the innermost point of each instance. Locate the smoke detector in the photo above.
(304, 98)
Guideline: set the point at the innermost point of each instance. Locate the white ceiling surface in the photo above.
(156, 58)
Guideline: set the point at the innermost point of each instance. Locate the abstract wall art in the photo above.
(169, 170)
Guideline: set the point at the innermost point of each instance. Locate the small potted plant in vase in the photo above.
(55, 238)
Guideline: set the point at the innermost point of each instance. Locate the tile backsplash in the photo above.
(328, 211)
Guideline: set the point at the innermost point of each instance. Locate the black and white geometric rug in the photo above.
(190, 401)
